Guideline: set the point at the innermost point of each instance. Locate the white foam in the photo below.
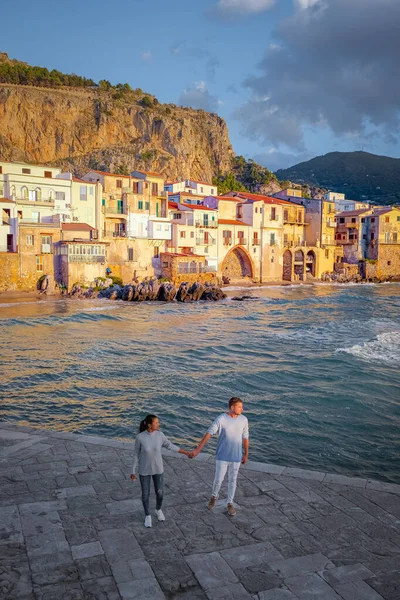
(386, 348)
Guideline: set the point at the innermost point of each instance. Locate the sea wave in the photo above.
(385, 348)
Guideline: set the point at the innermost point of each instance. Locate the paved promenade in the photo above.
(71, 527)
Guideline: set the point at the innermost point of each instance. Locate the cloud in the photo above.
(147, 55)
(211, 61)
(232, 89)
(336, 69)
(197, 96)
(234, 8)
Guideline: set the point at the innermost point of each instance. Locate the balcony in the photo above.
(256, 242)
(46, 249)
(331, 223)
(242, 241)
(227, 241)
(86, 258)
(202, 223)
(205, 242)
(294, 244)
(115, 211)
(186, 268)
(115, 234)
(28, 202)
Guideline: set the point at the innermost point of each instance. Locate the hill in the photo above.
(359, 175)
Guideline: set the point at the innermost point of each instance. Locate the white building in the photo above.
(191, 186)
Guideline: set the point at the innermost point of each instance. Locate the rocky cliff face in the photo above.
(77, 129)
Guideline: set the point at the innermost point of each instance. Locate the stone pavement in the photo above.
(71, 527)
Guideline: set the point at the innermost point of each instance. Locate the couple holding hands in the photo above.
(232, 429)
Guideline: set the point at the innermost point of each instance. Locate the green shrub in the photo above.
(147, 102)
(116, 280)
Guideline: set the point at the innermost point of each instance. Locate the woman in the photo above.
(148, 446)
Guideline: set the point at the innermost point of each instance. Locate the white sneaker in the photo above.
(160, 515)
(147, 521)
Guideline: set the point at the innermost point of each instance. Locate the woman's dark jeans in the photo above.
(158, 481)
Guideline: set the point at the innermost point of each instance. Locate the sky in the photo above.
(292, 78)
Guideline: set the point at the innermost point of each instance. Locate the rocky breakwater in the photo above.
(151, 290)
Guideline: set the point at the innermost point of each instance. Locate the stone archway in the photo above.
(287, 266)
(299, 264)
(310, 263)
(237, 263)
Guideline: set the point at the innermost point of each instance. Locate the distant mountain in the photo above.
(359, 175)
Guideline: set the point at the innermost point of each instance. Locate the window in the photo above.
(1, 169)
(135, 187)
(90, 191)
(272, 239)
(372, 235)
(226, 234)
(60, 195)
(83, 192)
(202, 190)
(389, 262)
(212, 192)
(183, 234)
(239, 211)
(30, 240)
(26, 171)
(299, 217)
(154, 189)
(158, 227)
(394, 237)
(363, 220)
(147, 205)
(177, 216)
(364, 236)
(103, 201)
(387, 219)
(256, 209)
(240, 235)
(39, 263)
(140, 204)
(286, 215)
(326, 253)
(398, 218)
(165, 265)
(192, 234)
(48, 174)
(273, 213)
(285, 239)
(341, 220)
(46, 244)
(156, 251)
(166, 228)
(118, 183)
(330, 208)
(35, 217)
(372, 219)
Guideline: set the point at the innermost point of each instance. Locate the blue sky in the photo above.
(292, 78)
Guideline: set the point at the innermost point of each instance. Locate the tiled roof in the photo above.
(76, 227)
(110, 174)
(231, 222)
(265, 199)
(151, 173)
(7, 200)
(172, 204)
(353, 213)
(197, 206)
(76, 179)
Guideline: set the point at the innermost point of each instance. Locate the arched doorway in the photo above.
(299, 264)
(287, 266)
(237, 263)
(310, 263)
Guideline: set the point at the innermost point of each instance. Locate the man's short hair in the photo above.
(234, 401)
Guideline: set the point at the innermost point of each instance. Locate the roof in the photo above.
(383, 210)
(76, 227)
(172, 204)
(353, 213)
(229, 198)
(186, 195)
(151, 173)
(186, 255)
(197, 206)
(261, 198)
(7, 200)
(231, 222)
(110, 174)
(202, 182)
(76, 179)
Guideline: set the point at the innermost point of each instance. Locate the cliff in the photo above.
(110, 130)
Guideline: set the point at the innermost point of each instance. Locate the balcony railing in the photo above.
(202, 223)
(186, 268)
(256, 242)
(112, 210)
(205, 242)
(227, 241)
(86, 258)
(331, 223)
(115, 234)
(294, 244)
(38, 202)
(242, 241)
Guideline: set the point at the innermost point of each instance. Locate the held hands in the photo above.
(193, 453)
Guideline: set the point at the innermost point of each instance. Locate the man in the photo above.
(232, 449)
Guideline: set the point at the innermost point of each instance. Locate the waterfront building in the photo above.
(288, 194)
(190, 187)
(194, 231)
(351, 234)
(36, 249)
(8, 225)
(382, 240)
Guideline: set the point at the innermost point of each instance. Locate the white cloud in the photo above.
(243, 7)
(304, 4)
(198, 96)
(147, 55)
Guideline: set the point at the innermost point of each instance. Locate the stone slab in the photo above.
(10, 525)
(142, 589)
(233, 591)
(357, 590)
(346, 573)
(119, 544)
(305, 587)
(275, 594)
(86, 550)
(251, 556)
(211, 570)
(302, 564)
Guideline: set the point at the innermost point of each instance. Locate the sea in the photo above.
(317, 367)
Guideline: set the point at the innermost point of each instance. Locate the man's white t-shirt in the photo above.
(231, 431)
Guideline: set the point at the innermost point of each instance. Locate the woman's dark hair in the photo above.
(144, 425)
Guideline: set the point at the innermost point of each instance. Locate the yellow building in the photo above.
(382, 239)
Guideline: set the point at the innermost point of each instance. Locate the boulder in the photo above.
(166, 292)
(127, 293)
(153, 289)
(213, 293)
(182, 292)
(241, 298)
(194, 292)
